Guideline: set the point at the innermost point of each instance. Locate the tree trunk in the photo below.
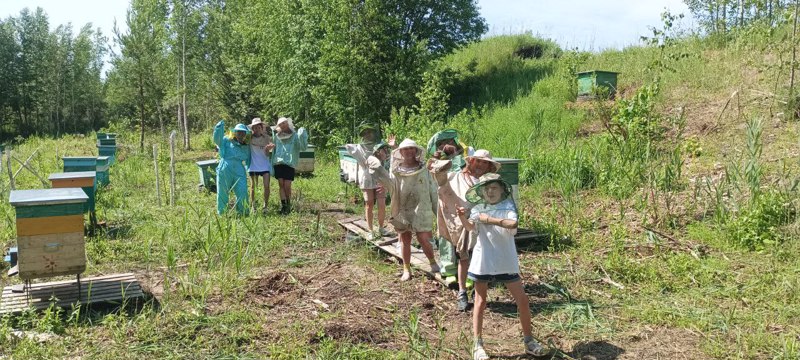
(141, 111)
(186, 134)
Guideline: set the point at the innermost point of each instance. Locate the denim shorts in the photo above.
(498, 278)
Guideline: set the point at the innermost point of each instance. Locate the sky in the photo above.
(585, 24)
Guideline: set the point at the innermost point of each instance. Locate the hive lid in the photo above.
(47, 197)
(597, 71)
(79, 158)
(207, 162)
(506, 160)
(72, 175)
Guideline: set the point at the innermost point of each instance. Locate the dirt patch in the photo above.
(275, 289)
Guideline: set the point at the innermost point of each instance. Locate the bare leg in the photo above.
(405, 238)
(523, 307)
(266, 190)
(369, 201)
(463, 266)
(282, 188)
(254, 182)
(424, 239)
(480, 307)
(380, 194)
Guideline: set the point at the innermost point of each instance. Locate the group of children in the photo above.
(475, 215)
(260, 151)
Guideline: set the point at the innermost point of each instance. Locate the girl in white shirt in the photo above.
(260, 147)
(494, 258)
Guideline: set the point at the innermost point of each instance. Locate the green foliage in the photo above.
(50, 80)
(756, 226)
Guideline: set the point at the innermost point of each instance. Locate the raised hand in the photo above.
(392, 140)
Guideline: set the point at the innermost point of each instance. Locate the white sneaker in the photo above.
(385, 232)
(478, 353)
(533, 347)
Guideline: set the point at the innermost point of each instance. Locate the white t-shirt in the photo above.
(495, 252)
(259, 161)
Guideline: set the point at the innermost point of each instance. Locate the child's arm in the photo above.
(504, 223)
(462, 214)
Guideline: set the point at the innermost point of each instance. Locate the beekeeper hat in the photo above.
(475, 194)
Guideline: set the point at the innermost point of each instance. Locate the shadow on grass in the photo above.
(115, 231)
(589, 350)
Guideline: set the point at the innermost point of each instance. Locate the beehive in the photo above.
(107, 141)
(305, 164)
(101, 135)
(590, 81)
(102, 178)
(108, 150)
(82, 179)
(208, 174)
(80, 163)
(348, 167)
(509, 171)
(49, 232)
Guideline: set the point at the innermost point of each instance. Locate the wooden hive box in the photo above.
(49, 232)
(305, 165)
(102, 171)
(80, 163)
(509, 171)
(590, 81)
(85, 180)
(107, 142)
(348, 167)
(208, 174)
(108, 150)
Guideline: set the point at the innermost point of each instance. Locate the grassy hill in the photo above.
(670, 213)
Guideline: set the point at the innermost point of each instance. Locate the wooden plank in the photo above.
(102, 289)
(72, 183)
(50, 225)
(64, 292)
(24, 212)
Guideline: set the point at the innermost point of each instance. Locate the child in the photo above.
(260, 148)
(453, 187)
(373, 192)
(494, 258)
(445, 146)
(234, 154)
(285, 155)
(413, 199)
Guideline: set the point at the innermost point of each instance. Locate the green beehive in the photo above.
(80, 179)
(108, 150)
(102, 171)
(589, 82)
(101, 135)
(107, 141)
(80, 163)
(509, 171)
(348, 167)
(208, 174)
(111, 136)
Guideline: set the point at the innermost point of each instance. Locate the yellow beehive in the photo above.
(50, 232)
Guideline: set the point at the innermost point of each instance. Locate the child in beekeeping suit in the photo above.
(414, 199)
(373, 191)
(494, 259)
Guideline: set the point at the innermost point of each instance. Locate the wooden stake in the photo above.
(10, 171)
(172, 168)
(155, 167)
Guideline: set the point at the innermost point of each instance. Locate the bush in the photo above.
(758, 225)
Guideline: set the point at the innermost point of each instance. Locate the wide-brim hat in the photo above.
(241, 127)
(475, 193)
(254, 122)
(379, 146)
(405, 144)
(287, 120)
(447, 134)
(484, 155)
(367, 126)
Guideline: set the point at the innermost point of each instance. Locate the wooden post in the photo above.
(155, 167)
(172, 168)
(10, 170)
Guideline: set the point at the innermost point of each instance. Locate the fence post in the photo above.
(155, 167)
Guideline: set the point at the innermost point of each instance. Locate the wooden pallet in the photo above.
(358, 226)
(102, 289)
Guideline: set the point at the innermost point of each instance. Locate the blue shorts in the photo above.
(499, 278)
